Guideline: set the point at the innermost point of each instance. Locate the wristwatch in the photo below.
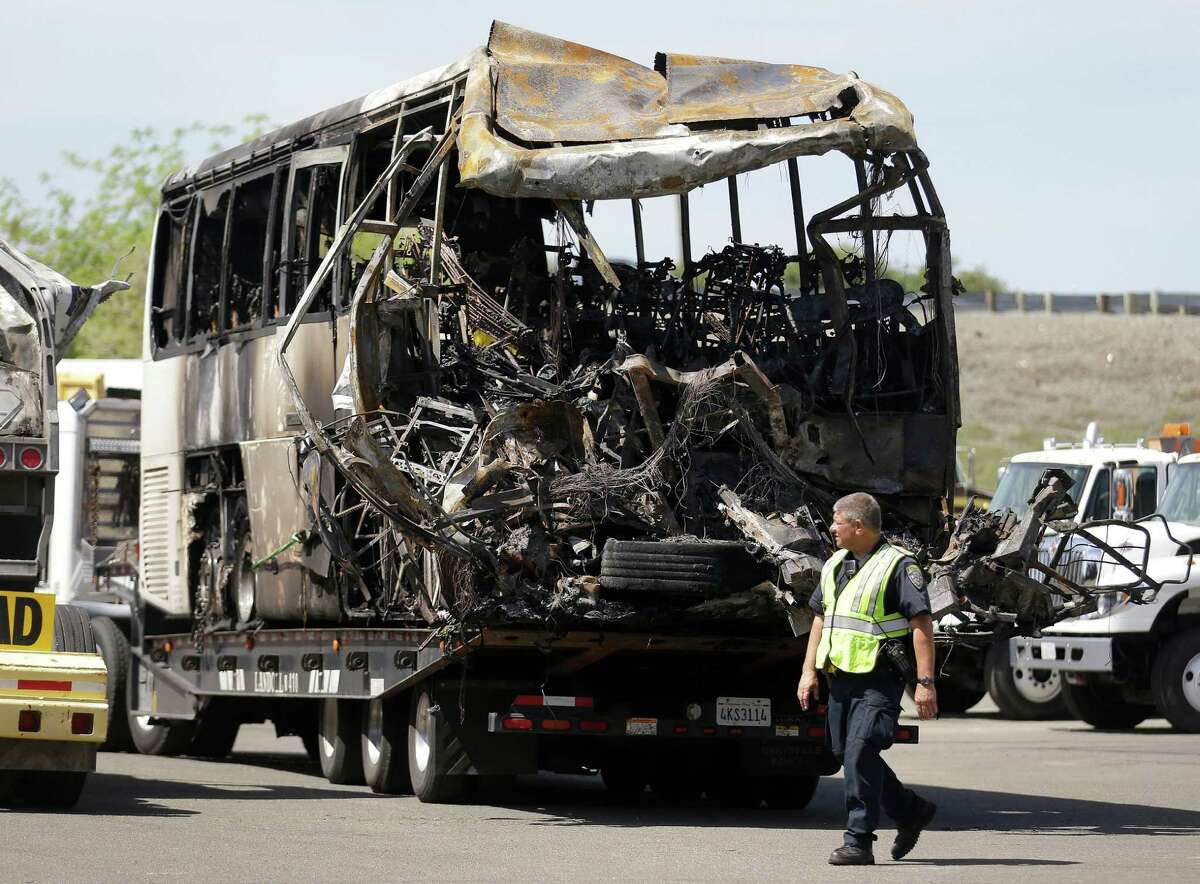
(925, 681)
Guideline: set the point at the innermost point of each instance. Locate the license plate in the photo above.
(1048, 651)
(744, 711)
(26, 621)
(641, 727)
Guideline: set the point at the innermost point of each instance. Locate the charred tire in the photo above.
(339, 741)
(384, 747)
(1102, 707)
(429, 738)
(678, 567)
(114, 648)
(1022, 694)
(215, 733)
(1175, 681)
(790, 792)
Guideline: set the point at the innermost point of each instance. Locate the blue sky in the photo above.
(1062, 134)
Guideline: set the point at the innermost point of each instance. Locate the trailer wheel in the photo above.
(790, 792)
(623, 776)
(154, 737)
(1102, 706)
(429, 736)
(1023, 694)
(216, 731)
(1175, 681)
(339, 738)
(955, 699)
(384, 748)
(114, 648)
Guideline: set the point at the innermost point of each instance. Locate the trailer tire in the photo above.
(790, 792)
(215, 733)
(955, 699)
(429, 737)
(384, 747)
(166, 738)
(624, 777)
(1025, 694)
(339, 741)
(1175, 681)
(1102, 707)
(114, 648)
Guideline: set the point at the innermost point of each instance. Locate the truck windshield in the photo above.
(18, 334)
(1017, 484)
(1181, 503)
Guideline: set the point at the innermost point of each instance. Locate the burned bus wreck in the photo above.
(533, 430)
(463, 432)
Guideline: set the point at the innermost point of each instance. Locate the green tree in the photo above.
(81, 236)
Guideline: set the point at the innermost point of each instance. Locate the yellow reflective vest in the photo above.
(855, 622)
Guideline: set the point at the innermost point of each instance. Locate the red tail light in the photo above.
(588, 725)
(29, 721)
(517, 724)
(556, 724)
(681, 729)
(32, 458)
(816, 732)
(82, 723)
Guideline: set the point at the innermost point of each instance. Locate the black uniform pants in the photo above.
(861, 722)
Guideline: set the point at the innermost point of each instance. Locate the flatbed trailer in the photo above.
(712, 714)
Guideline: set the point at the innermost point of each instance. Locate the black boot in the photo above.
(849, 855)
(907, 834)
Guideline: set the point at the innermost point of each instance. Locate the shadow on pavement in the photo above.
(111, 794)
(578, 801)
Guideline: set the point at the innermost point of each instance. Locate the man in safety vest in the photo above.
(870, 593)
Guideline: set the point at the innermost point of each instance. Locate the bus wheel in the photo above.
(429, 737)
(1022, 694)
(154, 737)
(114, 648)
(384, 749)
(339, 741)
(1176, 681)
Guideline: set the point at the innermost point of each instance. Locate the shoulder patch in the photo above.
(914, 573)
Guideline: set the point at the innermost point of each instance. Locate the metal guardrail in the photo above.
(1124, 303)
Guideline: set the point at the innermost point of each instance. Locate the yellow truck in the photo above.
(53, 684)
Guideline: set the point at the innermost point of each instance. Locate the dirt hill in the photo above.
(1026, 376)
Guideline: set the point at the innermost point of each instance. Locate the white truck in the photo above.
(1021, 690)
(1122, 663)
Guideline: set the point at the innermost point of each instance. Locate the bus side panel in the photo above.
(164, 564)
(285, 589)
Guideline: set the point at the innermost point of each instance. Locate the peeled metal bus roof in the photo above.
(546, 117)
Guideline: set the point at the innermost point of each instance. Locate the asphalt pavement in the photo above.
(1035, 801)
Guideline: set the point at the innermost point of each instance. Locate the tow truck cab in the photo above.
(1110, 482)
(1126, 661)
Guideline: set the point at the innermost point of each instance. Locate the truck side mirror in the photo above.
(1122, 495)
